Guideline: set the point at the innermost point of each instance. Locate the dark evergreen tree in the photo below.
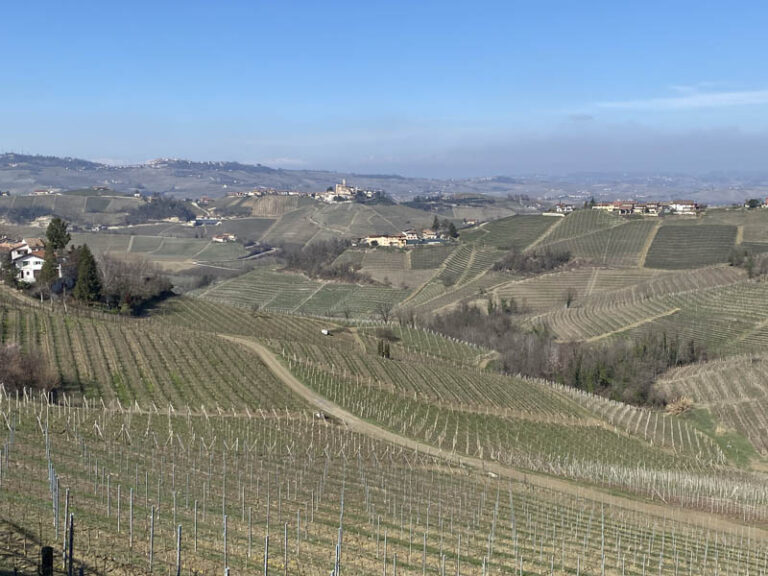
(88, 285)
(57, 234)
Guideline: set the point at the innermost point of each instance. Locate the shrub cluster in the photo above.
(24, 214)
(160, 208)
(317, 261)
(534, 262)
(756, 265)
(622, 369)
(19, 370)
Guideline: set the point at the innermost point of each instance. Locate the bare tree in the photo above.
(384, 311)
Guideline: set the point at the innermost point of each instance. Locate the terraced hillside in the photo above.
(516, 232)
(134, 362)
(716, 307)
(542, 293)
(161, 249)
(276, 291)
(89, 207)
(734, 391)
(617, 245)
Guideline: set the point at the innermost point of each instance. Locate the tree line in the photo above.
(534, 262)
(317, 260)
(125, 286)
(620, 369)
(160, 208)
(24, 214)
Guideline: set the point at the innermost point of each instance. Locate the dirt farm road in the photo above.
(355, 424)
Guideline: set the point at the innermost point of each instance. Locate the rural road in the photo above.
(355, 424)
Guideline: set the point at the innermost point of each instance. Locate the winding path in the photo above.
(361, 426)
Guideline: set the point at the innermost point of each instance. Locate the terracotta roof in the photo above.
(37, 254)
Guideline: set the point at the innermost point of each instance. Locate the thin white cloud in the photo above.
(693, 100)
(283, 162)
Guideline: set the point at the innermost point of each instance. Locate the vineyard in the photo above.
(616, 245)
(583, 223)
(515, 232)
(273, 423)
(135, 363)
(691, 246)
(159, 248)
(286, 292)
(715, 307)
(733, 390)
(547, 291)
(150, 492)
(466, 411)
(90, 208)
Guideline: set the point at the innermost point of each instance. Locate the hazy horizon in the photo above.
(446, 90)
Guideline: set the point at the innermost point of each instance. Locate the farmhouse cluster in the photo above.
(628, 207)
(632, 207)
(406, 238)
(27, 256)
(339, 192)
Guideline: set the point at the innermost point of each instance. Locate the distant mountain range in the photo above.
(23, 173)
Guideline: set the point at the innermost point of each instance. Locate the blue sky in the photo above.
(419, 88)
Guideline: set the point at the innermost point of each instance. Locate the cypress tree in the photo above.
(88, 285)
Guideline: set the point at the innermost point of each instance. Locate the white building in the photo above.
(686, 207)
(26, 246)
(386, 240)
(29, 266)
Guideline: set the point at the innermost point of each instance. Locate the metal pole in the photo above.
(70, 556)
(178, 551)
(151, 538)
